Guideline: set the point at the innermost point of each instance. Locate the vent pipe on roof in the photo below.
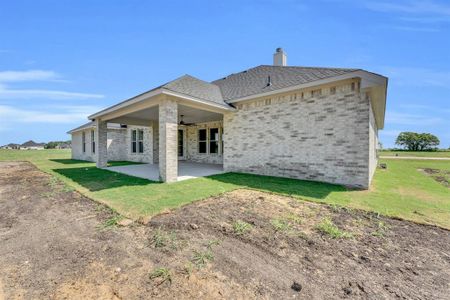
(279, 58)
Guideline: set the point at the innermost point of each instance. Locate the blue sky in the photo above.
(63, 60)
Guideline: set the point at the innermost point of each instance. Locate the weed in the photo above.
(162, 239)
(335, 208)
(328, 227)
(381, 230)
(280, 224)
(111, 222)
(212, 243)
(200, 259)
(241, 227)
(294, 218)
(163, 273)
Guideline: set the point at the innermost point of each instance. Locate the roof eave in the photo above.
(153, 93)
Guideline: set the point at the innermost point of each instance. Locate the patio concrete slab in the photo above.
(186, 170)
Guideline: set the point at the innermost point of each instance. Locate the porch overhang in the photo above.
(152, 99)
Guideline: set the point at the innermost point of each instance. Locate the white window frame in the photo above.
(83, 141)
(92, 141)
(137, 141)
(202, 141)
(140, 141)
(214, 141)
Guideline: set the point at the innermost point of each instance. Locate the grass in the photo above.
(162, 239)
(200, 259)
(400, 191)
(163, 274)
(241, 227)
(111, 222)
(329, 228)
(280, 224)
(439, 153)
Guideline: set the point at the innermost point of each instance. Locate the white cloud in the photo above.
(29, 75)
(8, 94)
(66, 115)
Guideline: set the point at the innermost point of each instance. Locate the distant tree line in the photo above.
(55, 144)
(414, 141)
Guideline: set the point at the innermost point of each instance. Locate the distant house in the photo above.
(11, 146)
(63, 146)
(31, 145)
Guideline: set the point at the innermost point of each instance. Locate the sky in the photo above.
(61, 61)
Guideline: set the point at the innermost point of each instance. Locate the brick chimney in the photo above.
(279, 58)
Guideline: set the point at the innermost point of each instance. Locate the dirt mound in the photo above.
(56, 244)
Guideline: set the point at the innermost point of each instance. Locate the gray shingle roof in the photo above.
(195, 87)
(255, 81)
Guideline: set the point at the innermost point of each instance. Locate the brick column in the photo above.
(168, 129)
(101, 141)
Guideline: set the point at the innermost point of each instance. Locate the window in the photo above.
(133, 141)
(93, 141)
(137, 141)
(83, 141)
(202, 141)
(141, 141)
(214, 140)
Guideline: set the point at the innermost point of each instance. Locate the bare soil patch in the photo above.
(441, 176)
(243, 244)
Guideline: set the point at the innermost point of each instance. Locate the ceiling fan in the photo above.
(184, 123)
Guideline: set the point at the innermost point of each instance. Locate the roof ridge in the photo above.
(313, 67)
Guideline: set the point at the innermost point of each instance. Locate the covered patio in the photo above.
(186, 170)
(186, 134)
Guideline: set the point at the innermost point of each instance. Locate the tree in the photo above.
(417, 141)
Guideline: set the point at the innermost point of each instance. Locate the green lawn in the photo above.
(439, 153)
(401, 190)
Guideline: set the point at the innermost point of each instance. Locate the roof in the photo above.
(195, 87)
(31, 143)
(261, 80)
(92, 125)
(256, 80)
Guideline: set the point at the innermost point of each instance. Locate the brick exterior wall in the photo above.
(320, 135)
(373, 144)
(101, 144)
(116, 142)
(168, 131)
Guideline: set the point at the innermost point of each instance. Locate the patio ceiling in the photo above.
(190, 115)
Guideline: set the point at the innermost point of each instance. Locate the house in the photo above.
(10, 146)
(63, 145)
(308, 123)
(31, 145)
